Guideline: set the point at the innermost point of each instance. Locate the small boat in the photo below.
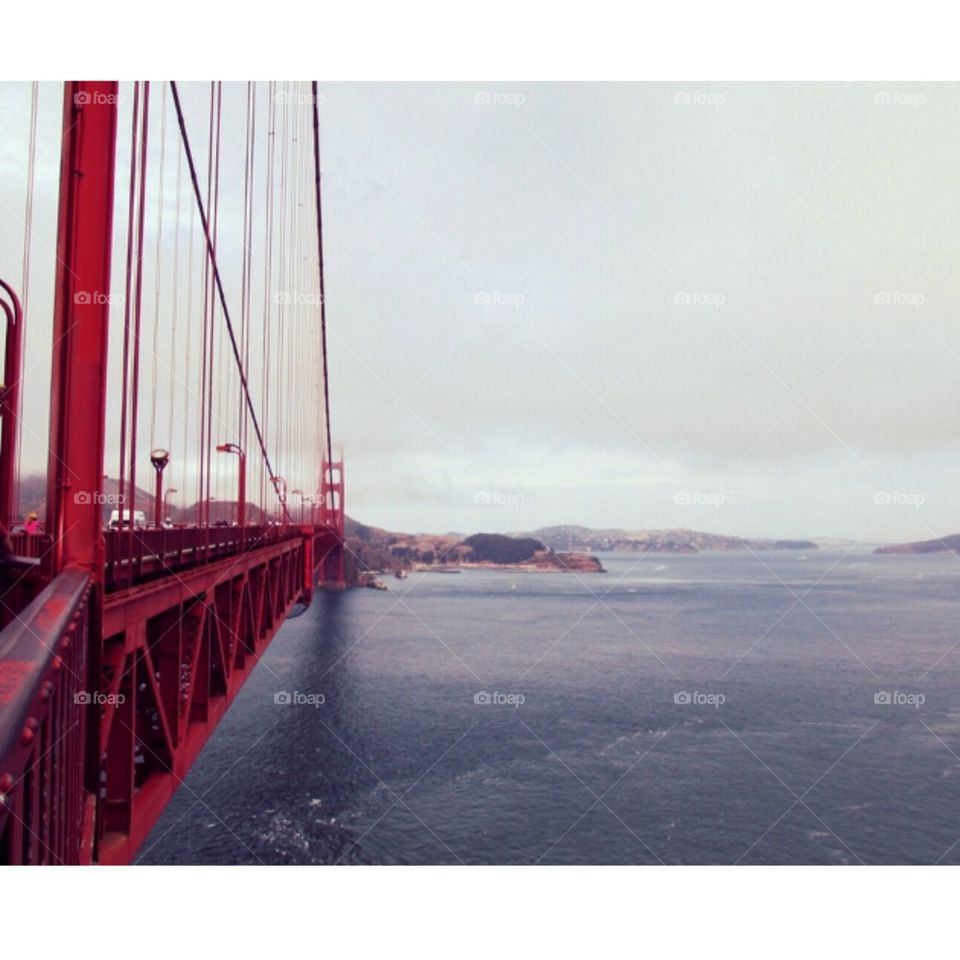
(401, 574)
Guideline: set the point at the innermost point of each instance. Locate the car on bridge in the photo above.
(121, 518)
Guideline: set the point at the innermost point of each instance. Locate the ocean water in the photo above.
(783, 708)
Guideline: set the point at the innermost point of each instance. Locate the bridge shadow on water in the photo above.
(287, 757)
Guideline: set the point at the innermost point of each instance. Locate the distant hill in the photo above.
(222, 510)
(497, 548)
(33, 497)
(841, 542)
(654, 541)
(947, 544)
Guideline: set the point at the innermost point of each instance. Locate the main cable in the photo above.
(323, 298)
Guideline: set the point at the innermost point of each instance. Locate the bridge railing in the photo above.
(44, 707)
(135, 555)
(32, 545)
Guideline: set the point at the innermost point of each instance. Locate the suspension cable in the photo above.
(219, 285)
(323, 298)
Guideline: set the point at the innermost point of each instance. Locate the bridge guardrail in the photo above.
(44, 703)
(138, 553)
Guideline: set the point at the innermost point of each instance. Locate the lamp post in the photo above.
(159, 458)
(299, 493)
(242, 482)
(281, 486)
(166, 497)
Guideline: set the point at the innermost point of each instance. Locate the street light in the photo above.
(242, 482)
(299, 493)
(159, 458)
(166, 496)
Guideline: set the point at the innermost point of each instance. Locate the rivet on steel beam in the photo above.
(6, 783)
(46, 691)
(29, 731)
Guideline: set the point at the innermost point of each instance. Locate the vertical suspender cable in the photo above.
(127, 306)
(137, 316)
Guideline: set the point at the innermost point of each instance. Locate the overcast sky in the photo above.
(726, 307)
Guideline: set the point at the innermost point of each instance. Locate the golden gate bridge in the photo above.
(188, 346)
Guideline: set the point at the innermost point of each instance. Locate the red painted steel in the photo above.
(45, 814)
(176, 653)
(115, 675)
(80, 324)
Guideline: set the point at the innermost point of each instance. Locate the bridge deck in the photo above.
(106, 699)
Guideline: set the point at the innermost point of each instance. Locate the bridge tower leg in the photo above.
(79, 374)
(332, 519)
